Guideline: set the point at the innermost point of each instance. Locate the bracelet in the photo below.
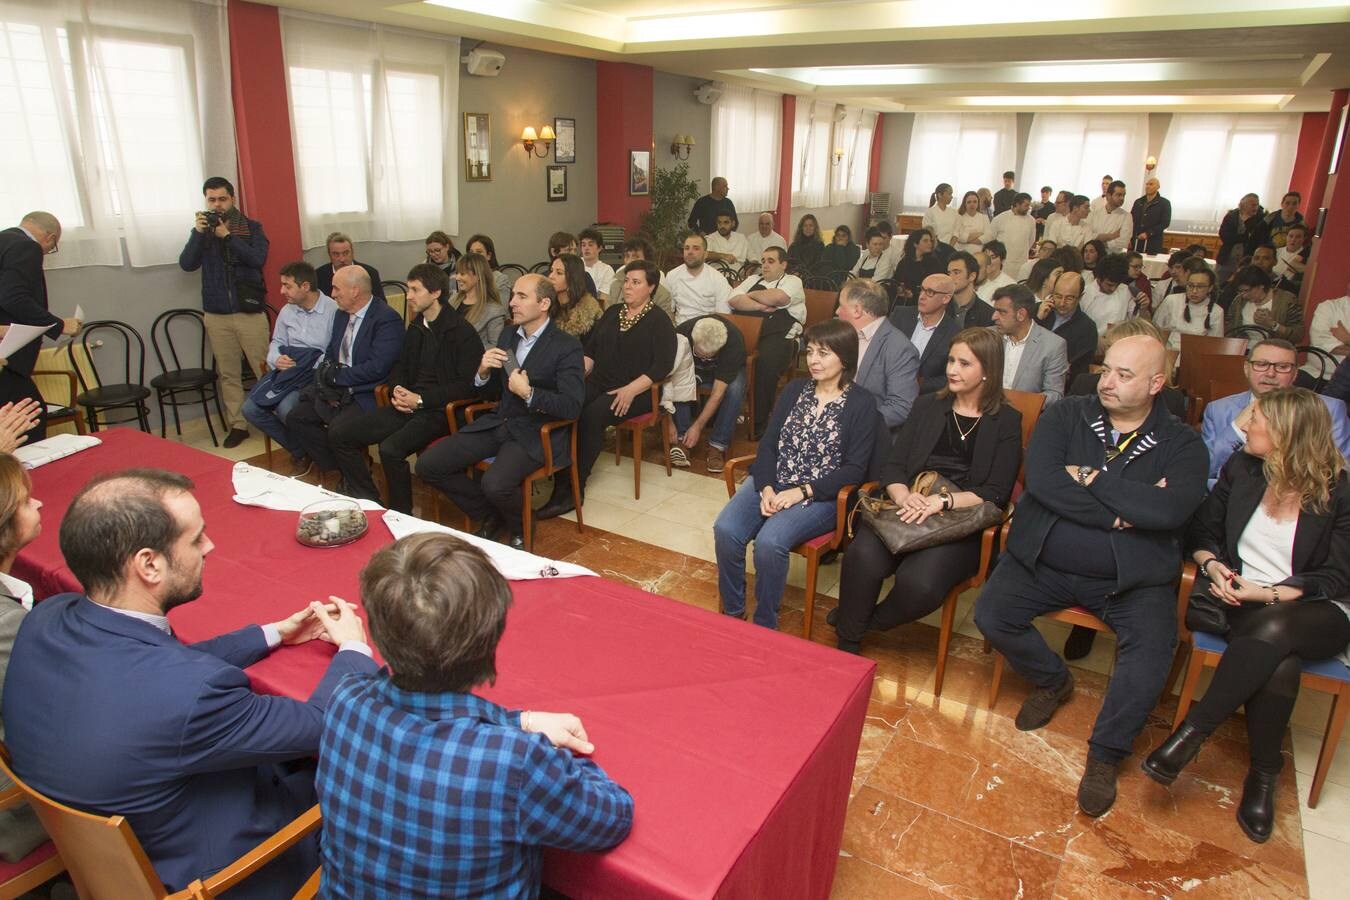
(1204, 567)
(1275, 592)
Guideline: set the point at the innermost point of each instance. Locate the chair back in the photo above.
(820, 306)
(823, 283)
(102, 855)
(1030, 404)
(1198, 344)
(1327, 362)
(749, 327)
(541, 268)
(1251, 332)
(513, 271)
(122, 350)
(396, 295)
(162, 338)
(1200, 373)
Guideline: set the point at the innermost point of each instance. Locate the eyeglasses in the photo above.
(1265, 365)
(1058, 297)
(932, 293)
(1201, 286)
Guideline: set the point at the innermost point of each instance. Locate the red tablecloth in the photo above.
(737, 743)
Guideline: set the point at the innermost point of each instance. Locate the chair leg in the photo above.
(1178, 666)
(1330, 740)
(143, 414)
(576, 497)
(809, 607)
(206, 414)
(177, 420)
(163, 419)
(997, 681)
(665, 444)
(267, 446)
(1194, 667)
(91, 415)
(638, 434)
(527, 515)
(945, 638)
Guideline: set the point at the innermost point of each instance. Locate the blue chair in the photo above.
(1329, 675)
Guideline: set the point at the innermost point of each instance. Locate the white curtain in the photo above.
(747, 129)
(1209, 161)
(374, 119)
(111, 116)
(811, 154)
(966, 150)
(848, 176)
(1072, 151)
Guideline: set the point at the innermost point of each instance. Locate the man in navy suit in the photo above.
(366, 342)
(537, 372)
(105, 710)
(930, 327)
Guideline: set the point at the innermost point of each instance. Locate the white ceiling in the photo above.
(900, 55)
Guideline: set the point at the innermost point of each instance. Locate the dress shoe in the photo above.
(558, 505)
(1040, 706)
(1165, 764)
(516, 542)
(236, 437)
(1097, 790)
(300, 466)
(488, 528)
(1256, 812)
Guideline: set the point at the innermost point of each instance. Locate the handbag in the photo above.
(879, 514)
(328, 396)
(252, 297)
(1204, 612)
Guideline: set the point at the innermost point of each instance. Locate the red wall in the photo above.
(784, 212)
(1329, 266)
(1305, 163)
(623, 97)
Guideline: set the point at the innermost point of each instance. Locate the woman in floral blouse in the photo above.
(819, 439)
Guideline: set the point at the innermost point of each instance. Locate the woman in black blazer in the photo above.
(1272, 542)
(970, 435)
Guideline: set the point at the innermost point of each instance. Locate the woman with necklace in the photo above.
(968, 434)
(818, 439)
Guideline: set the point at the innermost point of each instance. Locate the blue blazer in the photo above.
(1222, 440)
(378, 345)
(109, 714)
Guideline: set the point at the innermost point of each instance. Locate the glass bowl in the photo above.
(331, 523)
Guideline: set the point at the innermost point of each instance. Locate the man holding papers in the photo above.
(23, 301)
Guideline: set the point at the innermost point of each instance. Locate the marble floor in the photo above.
(948, 797)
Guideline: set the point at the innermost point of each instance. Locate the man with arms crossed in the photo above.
(781, 299)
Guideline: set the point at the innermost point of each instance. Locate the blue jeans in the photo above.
(724, 420)
(738, 524)
(272, 422)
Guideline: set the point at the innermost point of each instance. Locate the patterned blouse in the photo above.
(810, 445)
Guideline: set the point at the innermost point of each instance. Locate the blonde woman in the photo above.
(1272, 543)
(477, 299)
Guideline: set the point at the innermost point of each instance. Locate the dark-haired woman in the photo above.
(968, 434)
(1196, 311)
(807, 246)
(818, 439)
(1094, 251)
(970, 225)
(578, 310)
(917, 262)
(841, 253)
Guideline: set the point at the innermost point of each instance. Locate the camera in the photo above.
(213, 218)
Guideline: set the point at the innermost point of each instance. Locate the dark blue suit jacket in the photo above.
(378, 345)
(109, 714)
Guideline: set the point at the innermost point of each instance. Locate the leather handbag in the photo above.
(1204, 612)
(879, 514)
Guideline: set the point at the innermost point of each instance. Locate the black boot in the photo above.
(1165, 764)
(1256, 812)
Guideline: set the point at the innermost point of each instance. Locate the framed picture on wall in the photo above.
(565, 140)
(477, 147)
(639, 173)
(557, 183)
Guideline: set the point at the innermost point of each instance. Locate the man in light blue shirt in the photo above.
(304, 324)
(1271, 364)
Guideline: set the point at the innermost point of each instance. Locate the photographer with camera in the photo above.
(230, 249)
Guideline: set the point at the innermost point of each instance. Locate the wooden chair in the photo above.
(813, 549)
(1202, 373)
(820, 307)
(70, 413)
(40, 866)
(749, 327)
(637, 426)
(396, 295)
(105, 860)
(1198, 344)
(1330, 676)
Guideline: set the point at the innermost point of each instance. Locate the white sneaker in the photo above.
(679, 458)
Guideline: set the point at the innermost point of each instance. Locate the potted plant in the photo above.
(672, 193)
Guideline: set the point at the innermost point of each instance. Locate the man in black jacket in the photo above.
(1111, 481)
(930, 327)
(1059, 313)
(552, 388)
(341, 253)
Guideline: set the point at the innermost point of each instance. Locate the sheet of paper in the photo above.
(79, 312)
(18, 337)
(53, 448)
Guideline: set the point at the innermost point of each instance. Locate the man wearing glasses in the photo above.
(1059, 312)
(930, 328)
(23, 301)
(1271, 364)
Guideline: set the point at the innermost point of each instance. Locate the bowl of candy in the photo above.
(331, 523)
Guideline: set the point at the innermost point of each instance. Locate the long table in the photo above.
(737, 743)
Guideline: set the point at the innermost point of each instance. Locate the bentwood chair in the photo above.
(176, 378)
(637, 426)
(102, 392)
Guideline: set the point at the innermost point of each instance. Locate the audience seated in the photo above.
(577, 316)
(719, 356)
(483, 245)
(440, 354)
(1110, 482)
(480, 790)
(967, 307)
(1291, 260)
(879, 262)
(1272, 543)
(1175, 280)
(1258, 303)
(726, 245)
(1283, 220)
(591, 243)
(780, 299)
(365, 343)
(1073, 230)
(536, 374)
(820, 438)
(1060, 313)
(888, 364)
(807, 246)
(1242, 230)
(1044, 249)
(639, 248)
(1015, 229)
(561, 242)
(1094, 251)
(1338, 387)
(917, 261)
(627, 352)
(706, 209)
(992, 258)
(970, 436)
(1194, 312)
(696, 289)
(1035, 360)
(1107, 298)
(340, 255)
(1141, 289)
(477, 300)
(765, 237)
(930, 327)
(106, 711)
(441, 252)
(1329, 332)
(1085, 383)
(941, 217)
(1151, 215)
(1271, 365)
(304, 326)
(840, 255)
(970, 225)
(1110, 222)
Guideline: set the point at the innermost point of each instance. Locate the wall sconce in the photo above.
(682, 146)
(528, 139)
(1150, 164)
(838, 156)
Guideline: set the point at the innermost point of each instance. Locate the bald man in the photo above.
(1059, 312)
(1151, 215)
(23, 301)
(930, 327)
(1111, 481)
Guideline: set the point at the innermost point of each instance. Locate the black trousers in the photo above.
(15, 387)
(775, 353)
(595, 418)
(922, 580)
(399, 435)
(499, 492)
(1262, 667)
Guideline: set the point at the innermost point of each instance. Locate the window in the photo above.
(371, 112)
(1071, 152)
(747, 129)
(102, 123)
(966, 150)
(853, 135)
(811, 153)
(1209, 161)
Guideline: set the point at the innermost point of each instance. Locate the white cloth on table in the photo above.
(259, 487)
(514, 565)
(39, 453)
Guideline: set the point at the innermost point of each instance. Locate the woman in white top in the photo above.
(1272, 543)
(971, 225)
(941, 217)
(1194, 312)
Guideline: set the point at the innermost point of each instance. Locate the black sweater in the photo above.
(449, 351)
(648, 348)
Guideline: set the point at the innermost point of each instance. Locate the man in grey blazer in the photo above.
(888, 364)
(1035, 360)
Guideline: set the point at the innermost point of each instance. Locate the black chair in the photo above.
(819, 283)
(399, 289)
(106, 393)
(1328, 362)
(1252, 333)
(513, 271)
(541, 268)
(729, 273)
(177, 379)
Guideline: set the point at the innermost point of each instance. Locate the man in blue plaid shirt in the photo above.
(428, 790)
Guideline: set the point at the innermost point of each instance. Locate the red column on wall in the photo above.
(262, 125)
(874, 169)
(623, 103)
(1329, 266)
(1305, 162)
(784, 211)
(1330, 135)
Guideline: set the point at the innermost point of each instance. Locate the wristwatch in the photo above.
(1084, 473)
(419, 402)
